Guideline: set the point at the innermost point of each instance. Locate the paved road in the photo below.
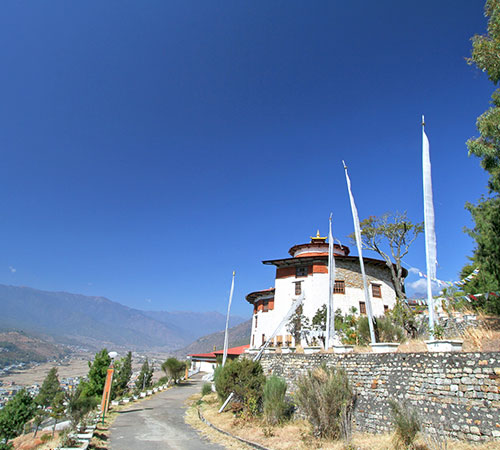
(158, 423)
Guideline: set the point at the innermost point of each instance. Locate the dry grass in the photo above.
(294, 435)
(28, 442)
(412, 346)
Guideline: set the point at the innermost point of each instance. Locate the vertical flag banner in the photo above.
(357, 232)
(226, 337)
(330, 311)
(430, 232)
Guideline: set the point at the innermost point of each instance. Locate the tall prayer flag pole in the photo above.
(226, 337)
(430, 232)
(357, 232)
(330, 311)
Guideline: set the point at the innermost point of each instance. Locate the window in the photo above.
(298, 287)
(256, 319)
(362, 307)
(279, 341)
(265, 306)
(376, 290)
(301, 272)
(263, 338)
(288, 340)
(253, 340)
(339, 287)
(386, 309)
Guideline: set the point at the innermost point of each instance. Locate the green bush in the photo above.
(326, 398)
(245, 379)
(206, 389)
(275, 406)
(406, 425)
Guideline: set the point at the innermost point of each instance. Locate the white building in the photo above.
(306, 273)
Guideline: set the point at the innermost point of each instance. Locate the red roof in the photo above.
(203, 355)
(235, 351)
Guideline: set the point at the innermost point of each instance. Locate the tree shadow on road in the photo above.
(133, 410)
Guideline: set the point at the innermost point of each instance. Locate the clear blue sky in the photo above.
(150, 148)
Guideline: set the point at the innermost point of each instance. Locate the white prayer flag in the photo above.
(357, 232)
(330, 311)
(226, 337)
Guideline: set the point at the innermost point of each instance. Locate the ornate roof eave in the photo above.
(259, 295)
(306, 260)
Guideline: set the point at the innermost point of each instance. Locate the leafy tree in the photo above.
(390, 236)
(17, 411)
(174, 368)
(96, 378)
(145, 378)
(123, 372)
(486, 213)
(486, 56)
(50, 388)
(245, 379)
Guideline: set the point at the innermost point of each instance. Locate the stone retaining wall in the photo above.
(455, 394)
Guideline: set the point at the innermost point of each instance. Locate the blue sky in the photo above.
(150, 148)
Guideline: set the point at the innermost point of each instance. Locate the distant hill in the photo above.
(94, 322)
(193, 324)
(238, 335)
(18, 347)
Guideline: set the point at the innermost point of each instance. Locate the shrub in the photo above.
(275, 406)
(406, 425)
(245, 379)
(326, 398)
(388, 330)
(206, 389)
(174, 369)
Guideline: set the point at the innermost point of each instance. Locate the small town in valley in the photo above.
(250, 225)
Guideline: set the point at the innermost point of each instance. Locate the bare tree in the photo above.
(390, 236)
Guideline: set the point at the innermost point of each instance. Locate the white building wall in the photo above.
(315, 290)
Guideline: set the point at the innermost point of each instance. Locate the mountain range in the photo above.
(93, 322)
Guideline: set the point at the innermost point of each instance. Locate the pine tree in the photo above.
(17, 411)
(145, 378)
(50, 388)
(123, 372)
(96, 378)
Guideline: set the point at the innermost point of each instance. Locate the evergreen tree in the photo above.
(57, 408)
(17, 411)
(96, 378)
(50, 388)
(123, 372)
(486, 213)
(145, 378)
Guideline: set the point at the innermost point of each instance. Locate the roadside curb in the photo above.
(250, 443)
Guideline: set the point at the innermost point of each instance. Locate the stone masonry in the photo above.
(455, 394)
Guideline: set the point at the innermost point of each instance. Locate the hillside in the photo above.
(94, 322)
(193, 325)
(18, 347)
(238, 335)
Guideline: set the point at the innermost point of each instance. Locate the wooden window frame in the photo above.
(265, 305)
(298, 287)
(301, 271)
(256, 320)
(339, 287)
(376, 290)
(362, 308)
